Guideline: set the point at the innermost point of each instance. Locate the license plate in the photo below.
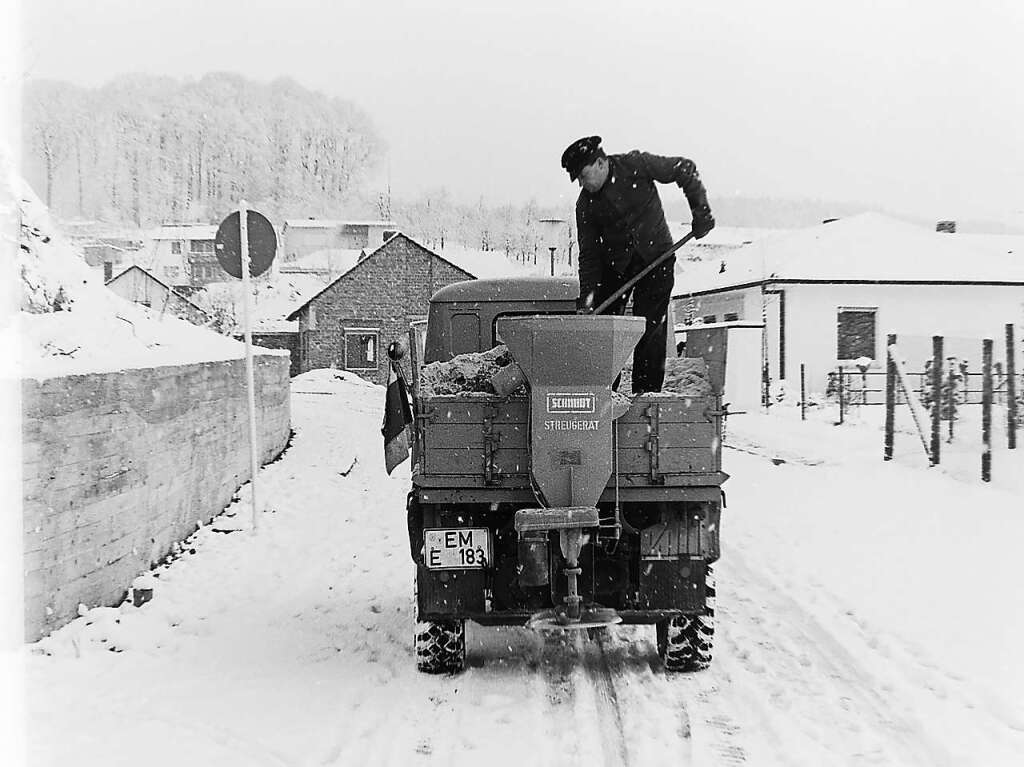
(458, 548)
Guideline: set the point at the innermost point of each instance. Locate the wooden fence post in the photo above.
(1011, 390)
(842, 396)
(890, 398)
(936, 398)
(986, 410)
(803, 394)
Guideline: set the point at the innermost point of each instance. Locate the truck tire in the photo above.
(440, 646)
(685, 642)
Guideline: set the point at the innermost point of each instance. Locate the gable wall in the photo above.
(385, 292)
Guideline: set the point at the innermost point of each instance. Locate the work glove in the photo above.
(585, 304)
(703, 222)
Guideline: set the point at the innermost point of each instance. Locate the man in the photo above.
(621, 228)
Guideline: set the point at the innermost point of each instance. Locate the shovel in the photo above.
(646, 270)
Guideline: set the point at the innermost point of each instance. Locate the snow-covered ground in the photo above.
(869, 613)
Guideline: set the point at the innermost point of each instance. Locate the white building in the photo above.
(181, 254)
(301, 237)
(830, 294)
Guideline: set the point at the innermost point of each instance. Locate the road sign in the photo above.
(262, 243)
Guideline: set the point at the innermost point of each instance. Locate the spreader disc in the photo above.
(591, 617)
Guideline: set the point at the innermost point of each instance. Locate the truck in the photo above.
(560, 505)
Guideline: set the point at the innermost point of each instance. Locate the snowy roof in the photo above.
(184, 232)
(487, 263)
(868, 247)
(273, 299)
(723, 236)
(334, 260)
(98, 230)
(330, 223)
(383, 224)
(310, 223)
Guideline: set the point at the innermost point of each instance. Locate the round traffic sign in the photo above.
(262, 243)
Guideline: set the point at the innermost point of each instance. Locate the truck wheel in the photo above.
(685, 643)
(440, 646)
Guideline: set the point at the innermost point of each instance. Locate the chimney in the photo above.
(946, 226)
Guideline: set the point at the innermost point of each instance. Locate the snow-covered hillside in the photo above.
(868, 614)
(70, 323)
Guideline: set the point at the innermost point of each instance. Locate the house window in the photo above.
(176, 247)
(361, 348)
(171, 272)
(201, 246)
(709, 318)
(730, 317)
(855, 333)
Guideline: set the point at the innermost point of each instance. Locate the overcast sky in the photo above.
(913, 106)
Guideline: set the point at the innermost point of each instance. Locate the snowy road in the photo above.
(293, 646)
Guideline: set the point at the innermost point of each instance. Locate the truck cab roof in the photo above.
(530, 289)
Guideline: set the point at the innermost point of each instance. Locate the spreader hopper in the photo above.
(570, 362)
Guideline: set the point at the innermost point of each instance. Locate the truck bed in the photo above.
(481, 441)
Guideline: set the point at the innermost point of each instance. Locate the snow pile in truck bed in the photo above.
(463, 374)
(683, 375)
(468, 374)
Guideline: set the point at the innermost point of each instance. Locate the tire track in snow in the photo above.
(610, 719)
(804, 682)
(607, 692)
(558, 667)
(644, 692)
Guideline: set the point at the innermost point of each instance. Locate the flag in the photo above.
(397, 415)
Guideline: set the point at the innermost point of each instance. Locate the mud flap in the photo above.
(672, 584)
(449, 592)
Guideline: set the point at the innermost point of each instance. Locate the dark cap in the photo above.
(580, 153)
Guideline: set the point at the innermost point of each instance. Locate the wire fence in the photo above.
(869, 388)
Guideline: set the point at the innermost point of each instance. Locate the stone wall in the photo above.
(118, 467)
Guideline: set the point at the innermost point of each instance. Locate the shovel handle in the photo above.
(646, 270)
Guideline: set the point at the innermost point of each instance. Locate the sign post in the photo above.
(239, 260)
(250, 386)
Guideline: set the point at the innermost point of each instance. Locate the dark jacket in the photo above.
(624, 218)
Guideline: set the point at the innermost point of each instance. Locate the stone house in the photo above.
(349, 324)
